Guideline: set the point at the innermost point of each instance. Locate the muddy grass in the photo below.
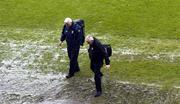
(117, 93)
(29, 75)
(81, 90)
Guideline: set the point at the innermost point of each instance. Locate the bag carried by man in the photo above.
(81, 23)
(108, 49)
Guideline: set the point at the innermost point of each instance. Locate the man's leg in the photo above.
(97, 79)
(76, 65)
(71, 71)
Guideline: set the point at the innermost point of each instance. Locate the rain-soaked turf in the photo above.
(144, 34)
(31, 73)
(140, 60)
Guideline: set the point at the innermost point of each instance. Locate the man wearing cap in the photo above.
(73, 35)
(96, 54)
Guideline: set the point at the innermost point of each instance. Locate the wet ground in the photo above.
(22, 81)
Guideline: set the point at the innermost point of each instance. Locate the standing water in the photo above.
(23, 82)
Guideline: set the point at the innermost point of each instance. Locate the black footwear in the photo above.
(98, 94)
(69, 76)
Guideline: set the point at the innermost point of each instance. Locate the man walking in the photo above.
(72, 33)
(96, 54)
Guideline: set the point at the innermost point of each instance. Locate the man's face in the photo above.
(68, 24)
(89, 42)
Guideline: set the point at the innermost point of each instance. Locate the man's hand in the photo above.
(60, 43)
(108, 66)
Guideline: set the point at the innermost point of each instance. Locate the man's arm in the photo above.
(63, 36)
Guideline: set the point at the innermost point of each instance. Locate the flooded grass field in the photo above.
(144, 35)
(33, 72)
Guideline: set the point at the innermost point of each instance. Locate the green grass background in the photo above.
(139, 18)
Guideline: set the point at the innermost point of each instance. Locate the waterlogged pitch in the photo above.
(144, 35)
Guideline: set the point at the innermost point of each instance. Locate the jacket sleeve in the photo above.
(105, 55)
(63, 36)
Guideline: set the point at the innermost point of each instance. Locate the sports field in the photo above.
(144, 34)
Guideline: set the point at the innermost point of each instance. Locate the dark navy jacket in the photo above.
(72, 35)
(97, 54)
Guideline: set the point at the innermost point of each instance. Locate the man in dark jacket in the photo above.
(96, 54)
(73, 35)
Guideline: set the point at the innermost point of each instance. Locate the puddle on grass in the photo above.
(21, 84)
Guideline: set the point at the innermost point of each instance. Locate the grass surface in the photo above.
(144, 34)
(139, 18)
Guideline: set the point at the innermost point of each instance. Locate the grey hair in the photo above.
(89, 38)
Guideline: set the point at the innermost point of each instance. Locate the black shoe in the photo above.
(69, 76)
(98, 94)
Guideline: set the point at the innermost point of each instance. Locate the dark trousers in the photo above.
(73, 57)
(97, 76)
